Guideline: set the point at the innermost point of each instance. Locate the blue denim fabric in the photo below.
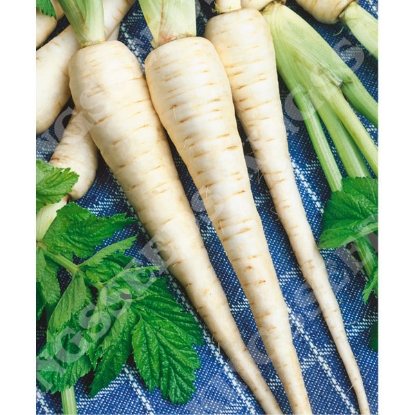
(219, 390)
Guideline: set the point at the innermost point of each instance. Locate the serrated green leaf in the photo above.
(73, 300)
(78, 231)
(350, 213)
(164, 359)
(149, 364)
(113, 265)
(109, 250)
(52, 183)
(184, 324)
(163, 343)
(56, 376)
(139, 281)
(98, 326)
(46, 277)
(46, 7)
(115, 350)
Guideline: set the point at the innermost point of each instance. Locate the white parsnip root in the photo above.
(52, 80)
(205, 134)
(78, 152)
(110, 90)
(243, 41)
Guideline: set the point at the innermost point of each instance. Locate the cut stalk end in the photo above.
(169, 20)
(86, 19)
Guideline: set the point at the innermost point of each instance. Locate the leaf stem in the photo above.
(318, 139)
(360, 99)
(348, 151)
(69, 401)
(61, 260)
(356, 130)
(367, 254)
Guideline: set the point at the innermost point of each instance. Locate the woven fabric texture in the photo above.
(219, 390)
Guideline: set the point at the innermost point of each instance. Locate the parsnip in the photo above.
(243, 41)
(133, 143)
(52, 81)
(204, 131)
(78, 152)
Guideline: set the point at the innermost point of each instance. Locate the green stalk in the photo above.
(169, 20)
(303, 54)
(357, 131)
(87, 20)
(318, 139)
(330, 103)
(348, 151)
(367, 254)
(316, 76)
(360, 99)
(363, 26)
(44, 218)
(69, 401)
(61, 260)
(295, 37)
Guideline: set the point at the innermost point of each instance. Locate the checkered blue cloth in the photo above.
(219, 390)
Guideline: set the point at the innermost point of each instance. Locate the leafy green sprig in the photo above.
(111, 308)
(351, 216)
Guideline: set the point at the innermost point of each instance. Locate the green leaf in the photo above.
(98, 326)
(164, 359)
(97, 258)
(52, 183)
(373, 343)
(46, 7)
(40, 302)
(46, 276)
(133, 310)
(77, 231)
(115, 350)
(54, 375)
(184, 324)
(73, 300)
(351, 213)
(113, 265)
(371, 285)
(162, 344)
